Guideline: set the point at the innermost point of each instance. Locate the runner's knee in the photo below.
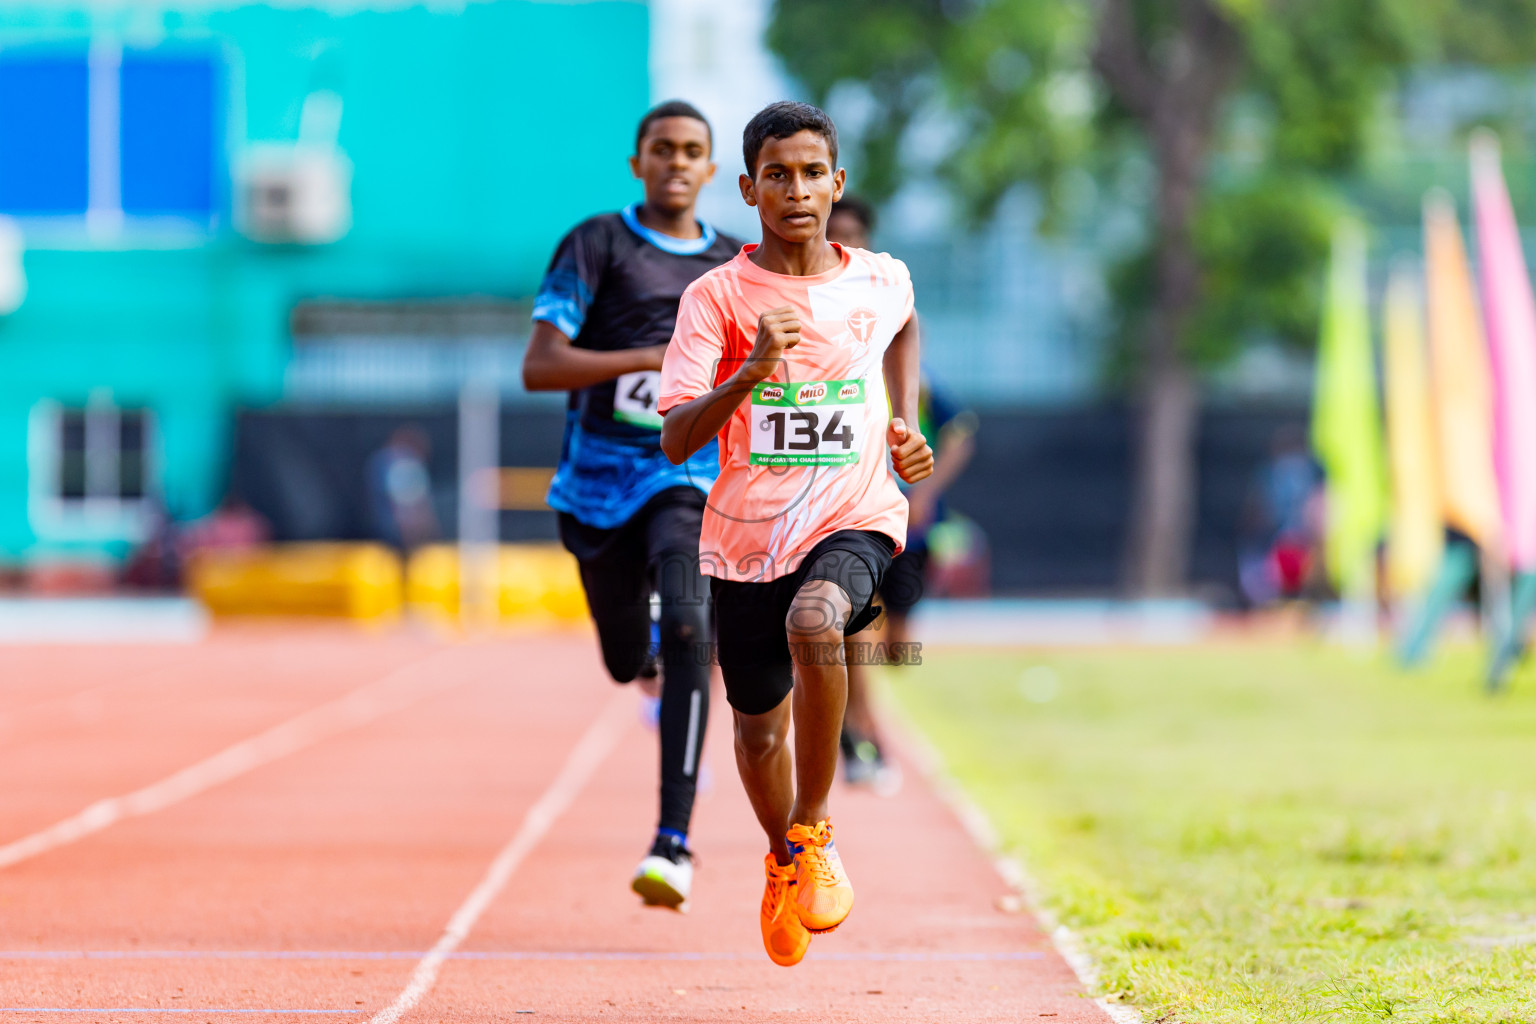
(684, 622)
(760, 737)
(625, 660)
(818, 614)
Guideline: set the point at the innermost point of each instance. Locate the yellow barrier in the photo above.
(531, 581)
(355, 581)
(367, 582)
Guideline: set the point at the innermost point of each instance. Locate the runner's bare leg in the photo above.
(815, 625)
(762, 758)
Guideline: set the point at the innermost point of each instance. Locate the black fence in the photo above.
(1050, 489)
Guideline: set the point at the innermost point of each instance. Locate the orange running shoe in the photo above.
(784, 937)
(823, 896)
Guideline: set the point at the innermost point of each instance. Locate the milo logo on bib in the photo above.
(817, 423)
(810, 394)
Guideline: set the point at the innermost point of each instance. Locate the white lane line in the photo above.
(920, 752)
(590, 751)
(397, 690)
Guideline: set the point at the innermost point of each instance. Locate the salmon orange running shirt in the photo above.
(804, 454)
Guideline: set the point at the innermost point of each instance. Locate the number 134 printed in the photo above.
(816, 423)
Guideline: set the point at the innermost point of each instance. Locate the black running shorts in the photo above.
(669, 522)
(655, 551)
(751, 636)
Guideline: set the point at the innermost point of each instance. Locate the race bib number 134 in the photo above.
(814, 423)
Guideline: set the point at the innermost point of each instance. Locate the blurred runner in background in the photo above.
(864, 762)
(602, 320)
(1280, 535)
(400, 490)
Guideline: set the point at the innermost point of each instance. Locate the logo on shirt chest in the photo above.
(861, 324)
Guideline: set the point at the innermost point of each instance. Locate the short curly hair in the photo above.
(780, 121)
(672, 108)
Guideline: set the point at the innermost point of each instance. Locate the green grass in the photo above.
(1261, 833)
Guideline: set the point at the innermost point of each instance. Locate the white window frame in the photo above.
(103, 515)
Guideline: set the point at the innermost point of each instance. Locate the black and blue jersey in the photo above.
(615, 284)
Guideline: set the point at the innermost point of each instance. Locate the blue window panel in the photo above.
(169, 142)
(44, 133)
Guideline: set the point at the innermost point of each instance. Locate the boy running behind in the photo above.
(787, 353)
(602, 319)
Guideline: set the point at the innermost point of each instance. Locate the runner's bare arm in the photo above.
(909, 449)
(552, 363)
(688, 427)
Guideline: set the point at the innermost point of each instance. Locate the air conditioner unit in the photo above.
(294, 193)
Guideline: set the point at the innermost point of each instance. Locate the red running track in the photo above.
(304, 874)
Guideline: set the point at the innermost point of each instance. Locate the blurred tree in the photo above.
(1235, 114)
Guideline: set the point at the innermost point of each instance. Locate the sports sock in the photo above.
(669, 844)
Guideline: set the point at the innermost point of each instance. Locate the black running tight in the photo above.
(656, 552)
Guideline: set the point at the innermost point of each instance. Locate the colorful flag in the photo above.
(1460, 382)
(1417, 533)
(1509, 311)
(1346, 420)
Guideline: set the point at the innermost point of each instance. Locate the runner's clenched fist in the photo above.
(778, 331)
(909, 451)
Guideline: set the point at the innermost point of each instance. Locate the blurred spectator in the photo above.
(400, 490)
(233, 526)
(960, 559)
(1280, 532)
(160, 563)
(156, 564)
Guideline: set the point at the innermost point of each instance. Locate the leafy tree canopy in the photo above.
(1039, 90)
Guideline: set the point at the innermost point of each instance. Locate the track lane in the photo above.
(585, 757)
(367, 842)
(131, 716)
(394, 692)
(926, 941)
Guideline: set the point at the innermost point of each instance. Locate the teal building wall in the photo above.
(478, 135)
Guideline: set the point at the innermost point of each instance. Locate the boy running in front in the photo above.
(602, 319)
(788, 353)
